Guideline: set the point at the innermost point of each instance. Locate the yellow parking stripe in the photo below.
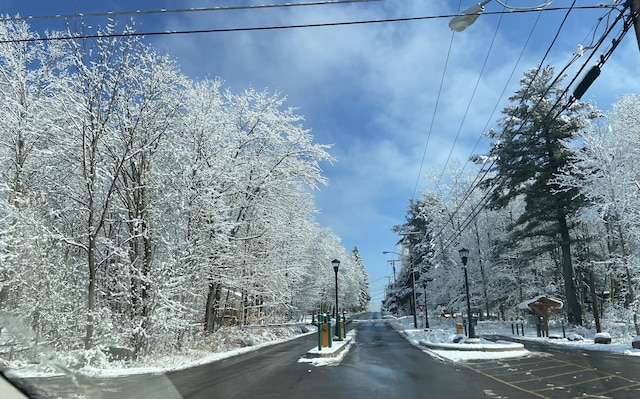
(507, 383)
(508, 368)
(547, 376)
(599, 394)
(576, 383)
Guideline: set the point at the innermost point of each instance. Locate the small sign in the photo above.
(421, 306)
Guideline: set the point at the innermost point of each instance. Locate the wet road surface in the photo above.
(379, 364)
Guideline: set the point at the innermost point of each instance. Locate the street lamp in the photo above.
(413, 288)
(426, 312)
(464, 253)
(467, 17)
(336, 265)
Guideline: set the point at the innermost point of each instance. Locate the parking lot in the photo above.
(551, 376)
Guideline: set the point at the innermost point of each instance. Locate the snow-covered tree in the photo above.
(605, 171)
(361, 283)
(153, 201)
(528, 154)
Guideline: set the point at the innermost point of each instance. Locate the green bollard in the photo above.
(329, 331)
(513, 328)
(564, 335)
(320, 321)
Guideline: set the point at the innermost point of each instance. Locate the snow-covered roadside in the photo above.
(444, 333)
(444, 347)
(238, 342)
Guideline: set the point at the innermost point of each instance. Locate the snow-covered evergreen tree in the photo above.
(528, 154)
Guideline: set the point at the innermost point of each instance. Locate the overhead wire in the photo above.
(484, 171)
(500, 97)
(575, 57)
(263, 28)
(484, 201)
(627, 23)
(181, 10)
(578, 54)
(435, 110)
(538, 7)
(276, 27)
(473, 93)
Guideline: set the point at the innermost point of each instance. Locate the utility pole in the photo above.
(635, 13)
(393, 264)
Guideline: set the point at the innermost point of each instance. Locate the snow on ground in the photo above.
(236, 341)
(229, 342)
(443, 332)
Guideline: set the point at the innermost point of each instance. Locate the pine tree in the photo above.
(528, 154)
(364, 294)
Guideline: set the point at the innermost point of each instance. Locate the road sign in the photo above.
(421, 306)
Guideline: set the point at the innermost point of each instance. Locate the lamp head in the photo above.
(336, 265)
(464, 253)
(467, 17)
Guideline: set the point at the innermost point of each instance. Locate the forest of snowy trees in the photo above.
(553, 209)
(137, 204)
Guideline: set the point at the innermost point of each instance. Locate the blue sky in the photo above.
(378, 92)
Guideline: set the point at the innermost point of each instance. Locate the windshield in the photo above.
(194, 195)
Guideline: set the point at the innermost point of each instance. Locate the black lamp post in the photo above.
(464, 253)
(336, 265)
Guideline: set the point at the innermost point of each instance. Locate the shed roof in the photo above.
(541, 300)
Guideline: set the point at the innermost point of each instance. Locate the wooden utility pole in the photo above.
(635, 12)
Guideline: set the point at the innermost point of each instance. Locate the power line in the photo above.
(182, 10)
(266, 28)
(628, 22)
(475, 211)
(482, 173)
(473, 94)
(433, 117)
(504, 90)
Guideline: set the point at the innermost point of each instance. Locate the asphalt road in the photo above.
(382, 364)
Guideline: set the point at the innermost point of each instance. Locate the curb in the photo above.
(474, 347)
(329, 352)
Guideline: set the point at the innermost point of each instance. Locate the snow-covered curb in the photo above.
(500, 346)
(340, 349)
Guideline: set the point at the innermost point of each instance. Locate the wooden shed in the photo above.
(542, 306)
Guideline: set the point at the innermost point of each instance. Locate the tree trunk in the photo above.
(91, 294)
(213, 301)
(485, 297)
(574, 312)
(594, 301)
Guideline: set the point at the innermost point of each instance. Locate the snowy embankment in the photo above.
(226, 342)
(438, 341)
